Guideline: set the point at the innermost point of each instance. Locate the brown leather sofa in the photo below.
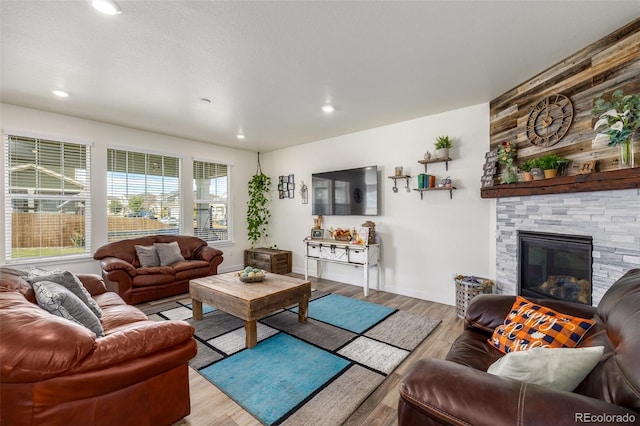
(56, 372)
(458, 391)
(123, 273)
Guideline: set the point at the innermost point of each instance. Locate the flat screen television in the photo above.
(345, 192)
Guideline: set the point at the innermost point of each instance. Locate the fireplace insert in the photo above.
(555, 265)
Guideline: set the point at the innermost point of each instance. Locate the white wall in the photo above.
(104, 136)
(424, 242)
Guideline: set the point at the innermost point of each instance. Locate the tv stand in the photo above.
(343, 252)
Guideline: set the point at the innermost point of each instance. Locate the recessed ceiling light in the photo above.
(205, 100)
(240, 136)
(328, 108)
(60, 93)
(108, 7)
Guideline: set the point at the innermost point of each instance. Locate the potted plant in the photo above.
(619, 120)
(527, 167)
(550, 163)
(258, 213)
(442, 144)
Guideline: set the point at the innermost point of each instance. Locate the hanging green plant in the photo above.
(258, 213)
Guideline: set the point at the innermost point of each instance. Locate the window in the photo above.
(143, 194)
(211, 201)
(47, 209)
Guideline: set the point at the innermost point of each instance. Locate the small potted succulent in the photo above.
(442, 144)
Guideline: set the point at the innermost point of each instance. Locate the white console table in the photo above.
(344, 252)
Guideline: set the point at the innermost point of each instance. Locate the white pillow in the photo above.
(556, 368)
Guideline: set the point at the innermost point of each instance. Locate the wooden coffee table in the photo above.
(250, 301)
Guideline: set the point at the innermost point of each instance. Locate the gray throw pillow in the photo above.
(169, 253)
(71, 282)
(60, 301)
(148, 256)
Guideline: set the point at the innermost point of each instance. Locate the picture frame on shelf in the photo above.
(317, 234)
(362, 236)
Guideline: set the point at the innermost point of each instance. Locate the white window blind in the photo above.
(211, 202)
(143, 192)
(47, 185)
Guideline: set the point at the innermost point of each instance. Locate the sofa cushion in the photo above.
(556, 368)
(71, 282)
(168, 253)
(166, 270)
(148, 256)
(152, 279)
(60, 301)
(194, 272)
(530, 325)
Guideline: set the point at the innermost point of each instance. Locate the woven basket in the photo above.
(465, 291)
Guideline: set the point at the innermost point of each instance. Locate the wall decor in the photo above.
(549, 120)
(304, 192)
(489, 168)
(587, 167)
(286, 187)
(599, 69)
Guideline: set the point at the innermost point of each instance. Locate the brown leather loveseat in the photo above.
(459, 391)
(123, 272)
(54, 371)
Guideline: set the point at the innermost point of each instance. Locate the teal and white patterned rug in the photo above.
(301, 374)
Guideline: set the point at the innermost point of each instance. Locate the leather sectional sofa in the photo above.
(459, 391)
(54, 371)
(124, 274)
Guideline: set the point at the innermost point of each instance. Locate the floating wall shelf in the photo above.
(395, 184)
(444, 160)
(423, 190)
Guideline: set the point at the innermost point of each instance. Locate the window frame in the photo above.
(229, 204)
(8, 197)
(137, 151)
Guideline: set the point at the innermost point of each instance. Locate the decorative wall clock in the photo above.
(549, 120)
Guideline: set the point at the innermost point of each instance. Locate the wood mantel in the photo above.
(602, 181)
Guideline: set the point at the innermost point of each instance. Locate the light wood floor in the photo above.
(209, 406)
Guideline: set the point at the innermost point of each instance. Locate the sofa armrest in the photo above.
(36, 345)
(141, 339)
(455, 394)
(93, 283)
(208, 253)
(110, 263)
(487, 311)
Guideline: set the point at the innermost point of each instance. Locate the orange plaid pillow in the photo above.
(529, 326)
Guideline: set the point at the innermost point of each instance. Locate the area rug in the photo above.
(301, 374)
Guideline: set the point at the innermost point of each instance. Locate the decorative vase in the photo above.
(442, 153)
(510, 175)
(626, 154)
(550, 173)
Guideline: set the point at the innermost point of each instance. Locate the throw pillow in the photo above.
(148, 256)
(529, 325)
(39, 272)
(168, 253)
(556, 368)
(60, 301)
(71, 282)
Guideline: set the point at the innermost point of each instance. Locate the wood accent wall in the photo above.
(606, 65)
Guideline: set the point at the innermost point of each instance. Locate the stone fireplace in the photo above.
(555, 265)
(610, 218)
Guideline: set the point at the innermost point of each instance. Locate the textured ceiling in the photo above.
(268, 66)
